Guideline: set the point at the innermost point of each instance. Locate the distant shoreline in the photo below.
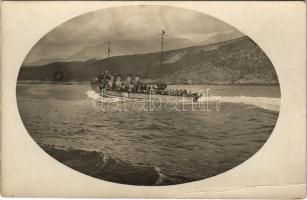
(52, 82)
(88, 82)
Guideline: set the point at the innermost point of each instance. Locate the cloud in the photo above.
(135, 23)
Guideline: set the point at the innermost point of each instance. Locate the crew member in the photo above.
(136, 83)
(106, 79)
(110, 83)
(128, 84)
(100, 81)
(118, 83)
(143, 87)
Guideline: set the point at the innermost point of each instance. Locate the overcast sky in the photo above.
(136, 23)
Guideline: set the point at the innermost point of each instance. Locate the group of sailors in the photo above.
(107, 81)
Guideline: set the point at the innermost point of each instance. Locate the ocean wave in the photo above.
(161, 176)
(267, 103)
(100, 165)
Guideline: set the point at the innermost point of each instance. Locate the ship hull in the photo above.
(145, 96)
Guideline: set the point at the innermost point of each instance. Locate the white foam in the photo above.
(95, 96)
(161, 176)
(92, 94)
(262, 102)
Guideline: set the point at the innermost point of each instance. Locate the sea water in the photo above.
(148, 148)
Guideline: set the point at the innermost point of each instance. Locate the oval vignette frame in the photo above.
(55, 82)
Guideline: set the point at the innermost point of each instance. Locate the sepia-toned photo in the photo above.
(148, 95)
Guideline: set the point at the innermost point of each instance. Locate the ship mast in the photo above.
(161, 57)
(109, 50)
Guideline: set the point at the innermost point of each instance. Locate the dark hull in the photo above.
(146, 96)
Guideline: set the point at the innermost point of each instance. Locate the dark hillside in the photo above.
(238, 61)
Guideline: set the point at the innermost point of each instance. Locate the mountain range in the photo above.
(130, 47)
(235, 61)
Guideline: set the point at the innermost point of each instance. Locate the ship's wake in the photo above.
(267, 103)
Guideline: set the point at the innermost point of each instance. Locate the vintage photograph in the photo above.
(148, 95)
